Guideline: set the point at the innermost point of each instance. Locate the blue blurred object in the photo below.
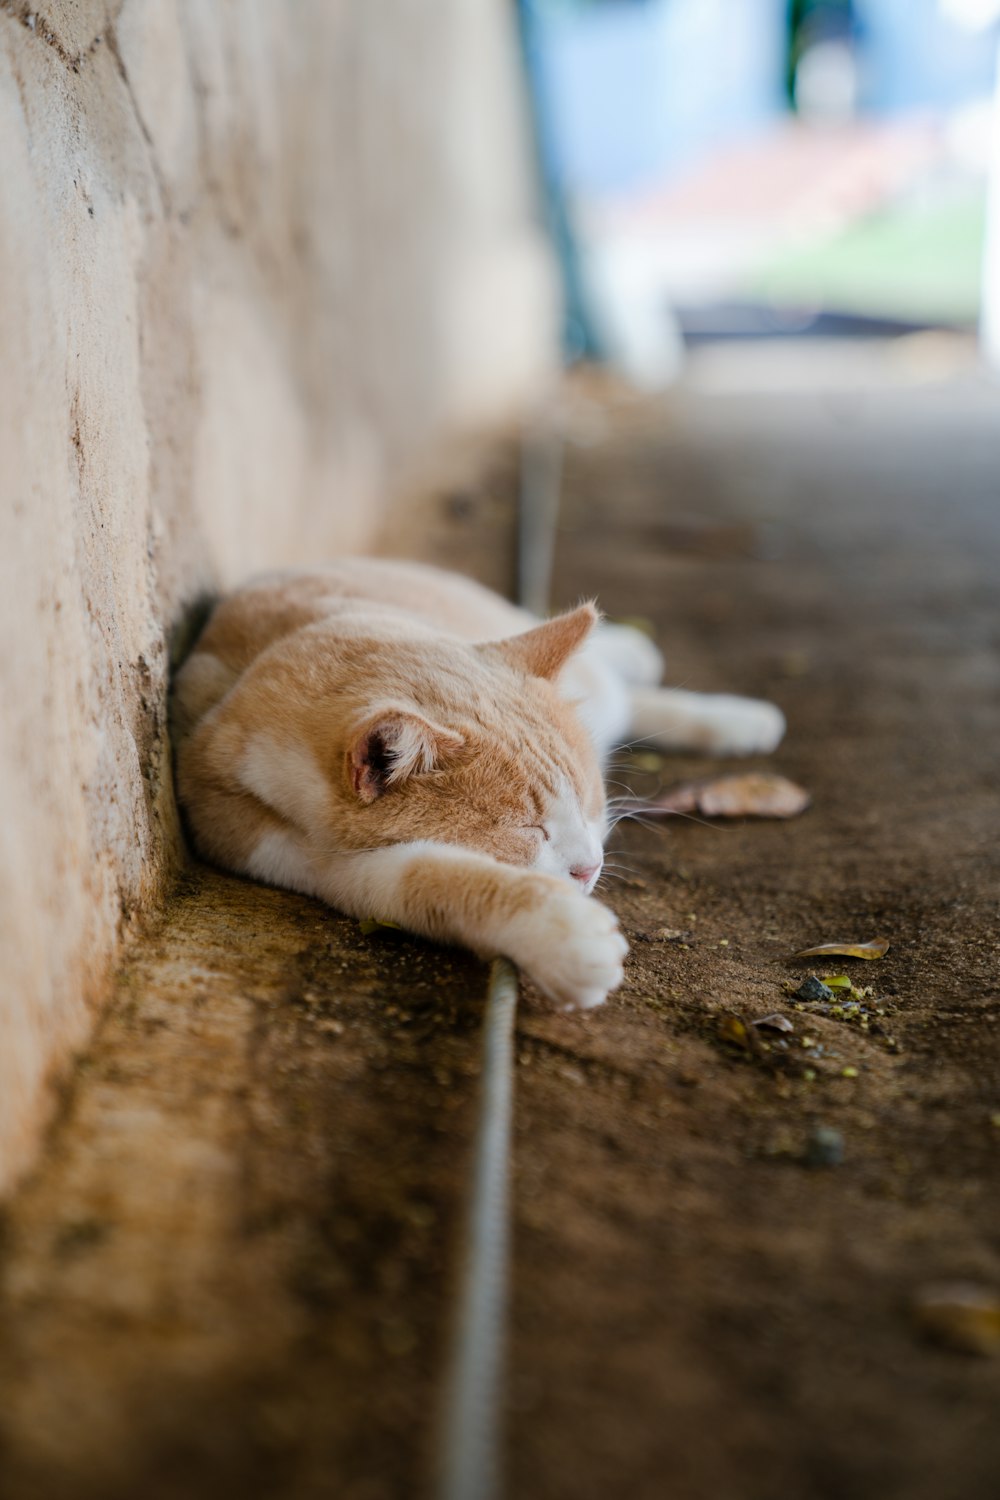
(580, 339)
(635, 91)
(914, 56)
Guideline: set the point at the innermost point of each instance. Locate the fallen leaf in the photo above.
(673, 935)
(756, 794)
(733, 1028)
(877, 948)
(646, 760)
(777, 1022)
(678, 799)
(961, 1315)
(369, 925)
(795, 663)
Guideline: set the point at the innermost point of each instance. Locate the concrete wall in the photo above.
(256, 260)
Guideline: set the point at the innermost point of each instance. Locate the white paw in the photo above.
(570, 946)
(740, 726)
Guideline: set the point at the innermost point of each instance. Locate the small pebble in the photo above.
(813, 989)
(825, 1147)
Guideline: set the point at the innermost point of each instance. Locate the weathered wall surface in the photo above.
(255, 260)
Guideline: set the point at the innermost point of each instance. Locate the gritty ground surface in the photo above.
(231, 1272)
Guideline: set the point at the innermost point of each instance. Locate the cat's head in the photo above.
(473, 745)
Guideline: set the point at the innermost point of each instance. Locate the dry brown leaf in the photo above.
(961, 1315)
(877, 948)
(732, 1028)
(755, 794)
(775, 1022)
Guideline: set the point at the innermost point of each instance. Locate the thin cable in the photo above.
(472, 1437)
(472, 1430)
(538, 512)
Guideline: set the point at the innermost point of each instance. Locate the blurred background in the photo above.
(765, 168)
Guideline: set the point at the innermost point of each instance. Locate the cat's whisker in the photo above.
(628, 799)
(656, 817)
(627, 792)
(626, 815)
(616, 818)
(628, 869)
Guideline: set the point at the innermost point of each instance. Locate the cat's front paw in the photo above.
(570, 946)
(740, 726)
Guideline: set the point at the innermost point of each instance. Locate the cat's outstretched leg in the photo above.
(715, 723)
(598, 681)
(567, 943)
(613, 683)
(628, 652)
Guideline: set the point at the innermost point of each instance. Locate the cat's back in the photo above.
(377, 598)
(448, 603)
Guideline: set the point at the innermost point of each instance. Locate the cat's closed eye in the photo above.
(537, 828)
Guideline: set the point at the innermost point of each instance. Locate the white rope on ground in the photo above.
(472, 1438)
(472, 1432)
(538, 510)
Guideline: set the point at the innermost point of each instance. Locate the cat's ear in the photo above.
(393, 745)
(544, 651)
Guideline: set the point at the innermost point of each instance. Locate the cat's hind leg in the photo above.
(598, 681)
(712, 723)
(628, 652)
(612, 683)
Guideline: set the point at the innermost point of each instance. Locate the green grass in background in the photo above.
(918, 261)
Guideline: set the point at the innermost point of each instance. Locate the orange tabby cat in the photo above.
(406, 745)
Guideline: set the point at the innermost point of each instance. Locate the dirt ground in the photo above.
(232, 1272)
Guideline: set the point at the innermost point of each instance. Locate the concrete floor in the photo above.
(231, 1271)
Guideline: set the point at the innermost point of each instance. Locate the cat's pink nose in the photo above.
(584, 873)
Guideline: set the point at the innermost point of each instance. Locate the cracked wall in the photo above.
(257, 262)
